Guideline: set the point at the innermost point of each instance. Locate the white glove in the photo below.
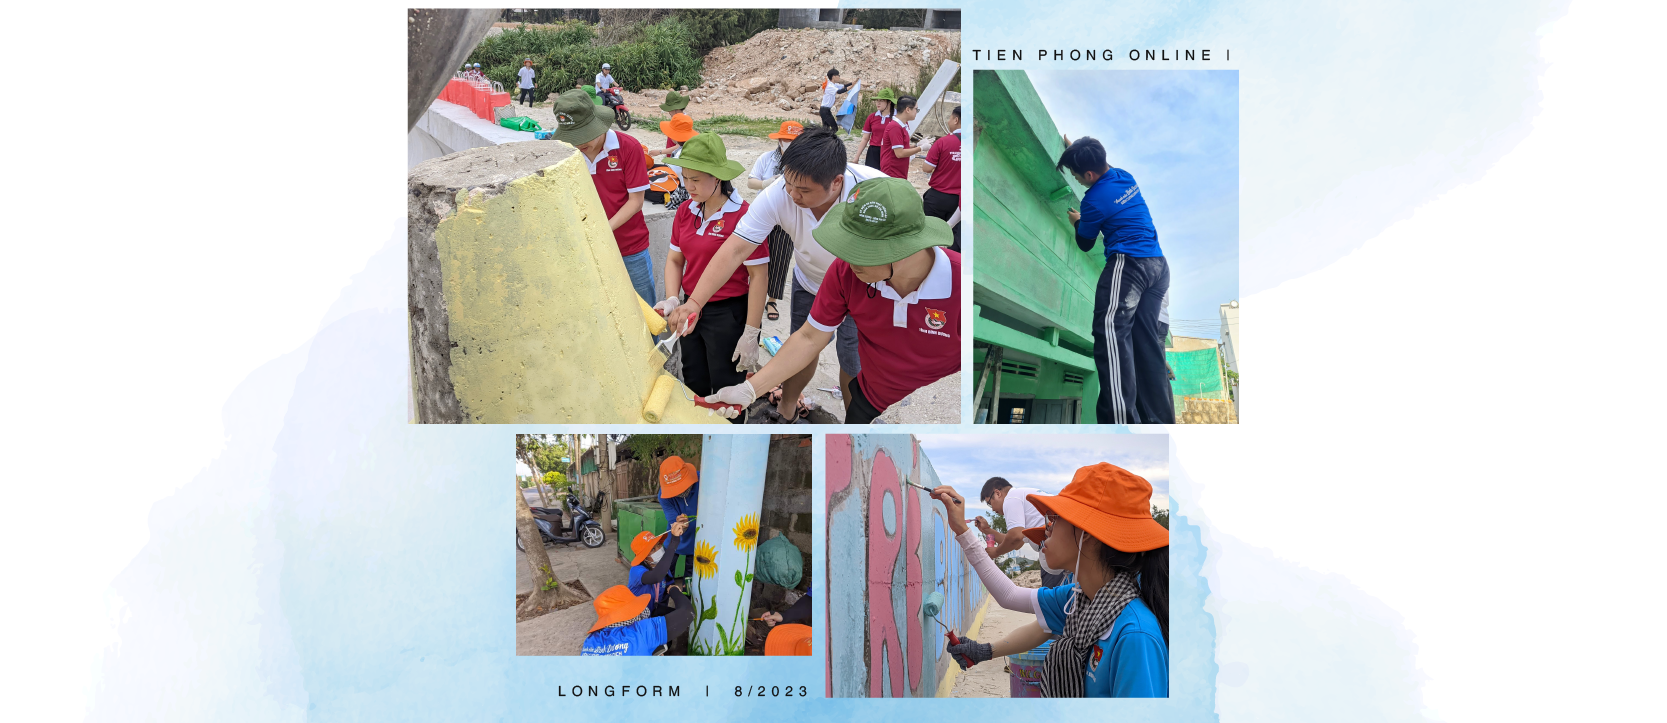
(741, 394)
(746, 351)
(666, 307)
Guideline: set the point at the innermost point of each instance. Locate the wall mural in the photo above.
(889, 547)
(726, 535)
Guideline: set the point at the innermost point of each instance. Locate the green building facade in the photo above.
(1033, 290)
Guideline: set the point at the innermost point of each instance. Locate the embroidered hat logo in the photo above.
(935, 318)
(872, 212)
(564, 120)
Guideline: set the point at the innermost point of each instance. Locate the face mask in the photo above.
(1043, 558)
(654, 557)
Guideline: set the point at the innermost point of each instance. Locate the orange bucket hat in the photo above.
(643, 544)
(676, 476)
(1110, 503)
(788, 639)
(789, 131)
(680, 128)
(617, 605)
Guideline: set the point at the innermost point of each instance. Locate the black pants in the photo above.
(828, 119)
(1131, 319)
(708, 348)
(861, 410)
(781, 254)
(940, 204)
(527, 96)
(872, 160)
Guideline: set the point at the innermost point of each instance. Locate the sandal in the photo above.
(770, 311)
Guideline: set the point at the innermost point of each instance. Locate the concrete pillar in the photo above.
(726, 539)
(520, 306)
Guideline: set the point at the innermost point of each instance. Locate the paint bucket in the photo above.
(1025, 672)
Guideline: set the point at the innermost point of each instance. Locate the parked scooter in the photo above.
(553, 530)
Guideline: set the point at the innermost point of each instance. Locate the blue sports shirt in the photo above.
(674, 506)
(1131, 661)
(638, 638)
(1114, 207)
(635, 583)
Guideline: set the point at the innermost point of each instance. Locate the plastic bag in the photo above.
(520, 123)
(779, 562)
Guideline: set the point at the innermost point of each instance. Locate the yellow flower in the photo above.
(706, 559)
(746, 533)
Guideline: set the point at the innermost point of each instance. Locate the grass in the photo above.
(728, 125)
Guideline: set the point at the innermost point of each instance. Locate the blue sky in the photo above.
(1043, 461)
(1177, 133)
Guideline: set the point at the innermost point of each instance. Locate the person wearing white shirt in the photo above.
(526, 85)
(814, 176)
(605, 79)
(834, 86)
(764, 171)
(1011, 503)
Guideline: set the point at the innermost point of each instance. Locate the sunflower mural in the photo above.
(731, 494)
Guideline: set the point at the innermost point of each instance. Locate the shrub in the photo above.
(714, 28)
(662, 56)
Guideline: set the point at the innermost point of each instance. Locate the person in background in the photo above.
(724, 346)
(1110, 624)
(831, 87)
(1013, 505)
(674, 104)
(789, 639)
(892, 279)
(625, 625)
(874, 127)
(764, 170)
(526, 84)
(678, 131)
(680, 499)
(619, 169)
(897, 146)
(943, 188)
(815, 177)
(605, 79)
(1131, 301)
(798, 612)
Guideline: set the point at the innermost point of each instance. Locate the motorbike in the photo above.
(554, 530)
(612, 99)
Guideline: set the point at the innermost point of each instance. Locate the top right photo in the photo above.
(1106, 247)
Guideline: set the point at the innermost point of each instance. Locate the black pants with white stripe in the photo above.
(1131, 319)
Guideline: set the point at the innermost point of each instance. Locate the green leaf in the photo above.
(723, 635)
(749, 577)
(738, 582)
(711, 611)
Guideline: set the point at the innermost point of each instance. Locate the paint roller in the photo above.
(656, 323)
(658, 398)
(930, 607)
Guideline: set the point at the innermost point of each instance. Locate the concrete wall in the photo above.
(787, 492)
(888, 548)
(731, 493)
(447, 128)
(520, 305)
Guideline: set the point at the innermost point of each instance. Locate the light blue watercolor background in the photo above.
(336, 563)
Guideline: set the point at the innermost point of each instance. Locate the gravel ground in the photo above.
(989, 679)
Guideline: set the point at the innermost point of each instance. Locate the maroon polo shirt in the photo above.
(945, 160)
(698, 239)
(618, 171)
(905, 343)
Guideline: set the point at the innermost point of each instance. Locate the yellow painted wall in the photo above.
(546, 322)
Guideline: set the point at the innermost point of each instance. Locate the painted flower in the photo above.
(706, 559)
(746, 533)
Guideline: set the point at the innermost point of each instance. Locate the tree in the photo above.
(1162, 516)
(548, 592)
(998, 522)
(557, 481)
(527, 447)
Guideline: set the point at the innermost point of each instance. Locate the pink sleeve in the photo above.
(1006, 593)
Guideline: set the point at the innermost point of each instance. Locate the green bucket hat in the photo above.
(591, 91)
(675, 101)
(886, 94)
(705, 152)
(881, 222)
(576, 119)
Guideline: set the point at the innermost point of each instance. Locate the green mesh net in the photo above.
(1197, 374)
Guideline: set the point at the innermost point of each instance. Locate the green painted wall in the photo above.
(1028, 267)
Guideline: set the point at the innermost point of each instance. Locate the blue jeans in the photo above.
(641, 268)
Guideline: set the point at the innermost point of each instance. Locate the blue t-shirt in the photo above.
(635, 583)
(1115, 208)
(1132, 661)
(638, 638)
(681, 505)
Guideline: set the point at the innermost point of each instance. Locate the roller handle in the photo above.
(957, 641)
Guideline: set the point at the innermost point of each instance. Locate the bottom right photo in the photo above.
(992, 566)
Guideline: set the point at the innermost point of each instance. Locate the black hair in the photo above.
(1152, 571)
(726, 188)
(817, 154)
(991, 486)
(832, 72)
(956, 112)
(904, 103)
(1085, 155)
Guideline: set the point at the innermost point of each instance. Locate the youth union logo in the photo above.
(613, 161)
(935, 318)
(564, 120)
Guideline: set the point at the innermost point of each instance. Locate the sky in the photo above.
(1177, 133)
(1043, 461)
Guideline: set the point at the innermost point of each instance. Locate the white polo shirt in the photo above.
(774, 207)
(604, 81)
(1019, 512)
(526, 75)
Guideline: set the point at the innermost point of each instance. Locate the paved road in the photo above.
(562, 632)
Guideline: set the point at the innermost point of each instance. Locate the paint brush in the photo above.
(918, 487)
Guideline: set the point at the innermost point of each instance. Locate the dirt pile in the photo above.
(780, 72)
(1029, 578)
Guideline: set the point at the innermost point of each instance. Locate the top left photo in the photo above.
(685, 216)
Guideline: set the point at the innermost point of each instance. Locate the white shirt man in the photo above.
(774, 207)
(604, 80)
